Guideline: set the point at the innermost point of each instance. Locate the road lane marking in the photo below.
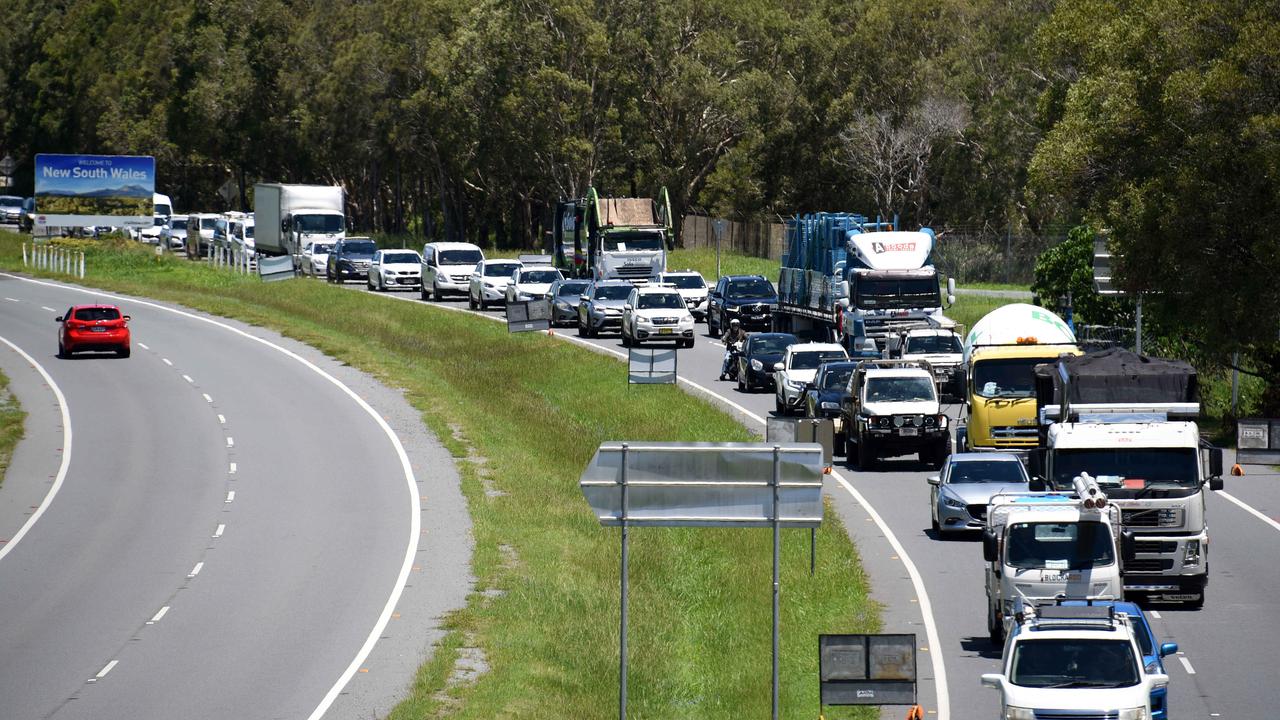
(1186, 664)
(222, 420)
(143, 346)
(167, 361)
(13, 299)
(103, 672)
(207, 398)
(231, 496)
(222, 527)
(231, 442)
(1154, 613)
(232, 471)
(188, 378)
(195, 570)
(1248, 509)
(156, 618)
(63, 466)
(46, 307)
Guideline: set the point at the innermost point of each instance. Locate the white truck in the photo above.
(1038, 546)
(891, 408)
(1130, 421)
(289, 217)
(892, 284)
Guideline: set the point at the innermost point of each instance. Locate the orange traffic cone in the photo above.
(1236, 470)
(915, 713)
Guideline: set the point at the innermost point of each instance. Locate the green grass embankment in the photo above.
(12, 417)
(522, 415)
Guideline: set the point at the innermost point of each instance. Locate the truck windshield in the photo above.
(668, 301)
(1117, 467)
(899, 389)
(933, 344)
(318, 223)
(1059, 546)
(1014, 377)
(631, 241)
(1074, 662)
(460, 257)
(897, 294)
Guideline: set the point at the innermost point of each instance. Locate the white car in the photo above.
(151, 233)
(793, 375)
(531, 282)
(446, 268)
(174, 234)
(315, 256)
(395, 269)
(200, 231)
(944, 352)
(488, 283)
(1080, 661)
(656, 313)
(242, 236)
(692, 287)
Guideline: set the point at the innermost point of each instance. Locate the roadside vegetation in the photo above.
(11, 429)
(522, 415)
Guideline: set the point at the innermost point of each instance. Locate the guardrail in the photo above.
(51, 258)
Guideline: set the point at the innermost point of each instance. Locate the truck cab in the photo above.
(891, 284)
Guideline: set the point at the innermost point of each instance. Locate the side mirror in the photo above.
(951, 299)
(1215, 483)
(1128, 548)
(934, 480)
(127, 318)
(1168, 649)
(58, 319)
(990, 546)
(779, 366)
(1037, 484)
(1159, 680)
(992, 680)
(1215, 462)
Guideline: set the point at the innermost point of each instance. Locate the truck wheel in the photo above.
(995, 626)
(1197, 603)
(866, 455)
(838, 444)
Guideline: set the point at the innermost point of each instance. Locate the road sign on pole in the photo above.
(229, 191)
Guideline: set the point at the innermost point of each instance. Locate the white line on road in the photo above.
(188, 378)
(143, 346)
(207, 398)
(66, 450)
(222, 420)
(222, 527)
(167, 361)
(232, 471)
(46, 307)
(231, 442)
(156, 618)
(195, 570)
(1248, 509)
(103, 672)
(1154, 613)
(1186, 664)
(231, 496)
(13, 299)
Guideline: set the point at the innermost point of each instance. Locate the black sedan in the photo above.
(822, 399)
(755, 364)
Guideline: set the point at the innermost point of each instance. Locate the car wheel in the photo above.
(742, 385)
(933, 522)
(778, 407)
(995, 626)
(714, 330)
(62, 353)
(435, 293)
(123, 352)
(471, 301)
(866, 456)
(582, 330)
(689, 343)
(482, 304)
(422, 292)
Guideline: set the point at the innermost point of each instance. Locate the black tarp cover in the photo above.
(1117, 375)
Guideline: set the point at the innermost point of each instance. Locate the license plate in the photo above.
(908, 432)
(97, 329)
(664, 331)
(1180, 597)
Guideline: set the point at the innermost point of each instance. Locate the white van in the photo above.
(447, 267)
(163, 205)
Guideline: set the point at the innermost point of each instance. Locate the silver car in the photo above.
(959, 495)
(564, 296)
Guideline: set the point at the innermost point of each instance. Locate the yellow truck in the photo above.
(1000, 355)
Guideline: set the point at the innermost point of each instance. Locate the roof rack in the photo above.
(895, 365)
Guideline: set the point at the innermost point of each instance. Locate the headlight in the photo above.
(830, 406)
(1137, 713)
(732, 309)
(757, 366)
(1019, 713)
(952, 502)
(795, 384)
(489, 285)
(1192, 554)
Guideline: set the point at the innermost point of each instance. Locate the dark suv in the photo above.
(350, 260)
(749, 298)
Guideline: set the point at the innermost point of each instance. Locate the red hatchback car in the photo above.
(93, 327)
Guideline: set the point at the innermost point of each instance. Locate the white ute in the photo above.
(799, 365)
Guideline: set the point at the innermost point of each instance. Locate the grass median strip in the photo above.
(11, 429)
(523, 415)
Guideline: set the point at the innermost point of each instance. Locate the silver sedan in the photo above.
(959, 494)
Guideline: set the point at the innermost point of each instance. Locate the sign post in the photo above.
(717, 227)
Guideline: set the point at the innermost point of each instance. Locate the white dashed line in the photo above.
(207, 398)
(217, 532)
(1186, 664)
(103, 672)
(46, 307)
(12, 299)
(188, 378)
(143, 346)
(156, 618)
(195, 570)
(231, 496)
(231, 442)
(167, 361)
(232, 471)
(1154, 613)
(222, 420)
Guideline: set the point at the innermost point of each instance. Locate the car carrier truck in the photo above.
(1129, 420)
(613, 238)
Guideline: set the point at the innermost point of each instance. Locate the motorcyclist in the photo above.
(733, 340)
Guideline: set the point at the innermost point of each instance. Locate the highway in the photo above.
(222, 526)
(1222, 646)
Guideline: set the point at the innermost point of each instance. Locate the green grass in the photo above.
(993, 286)
(545, 607)
(704, 261)
(969, 309)
(11, 428)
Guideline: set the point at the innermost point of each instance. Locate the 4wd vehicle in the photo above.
(1084, 661)
(447, 267)
(692, 287)
(825, 393)
(488, 282)
(601, 306)
(760, 353)
(656, 313)
(350, 260)
(792, 375)
(749, 298)
(892, 409)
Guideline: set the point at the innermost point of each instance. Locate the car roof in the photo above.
(537, 267)
(744, 277)
(978, 456)
(610, 283)
(920, 332)
(681, 272)
(500, 261)
(657, 290)
(814, 347)
(453, 246)
(93, 306)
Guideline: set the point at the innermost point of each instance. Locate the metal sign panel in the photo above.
(652, 366)
(528, 316)
(867, 669)
(1257, 441)
(90, 190)
(1102, 268)
(706, 484)
(271, 269)
(804, 430)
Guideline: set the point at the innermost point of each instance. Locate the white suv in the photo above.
(797, 369)
(447, 267)
(692, 287)
(1074, 661)
(656, 313)
(531, 282)
(394, 269)
(488, 283)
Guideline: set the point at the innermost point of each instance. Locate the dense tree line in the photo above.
(1155, 120)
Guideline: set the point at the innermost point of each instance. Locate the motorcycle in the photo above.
(735, 351)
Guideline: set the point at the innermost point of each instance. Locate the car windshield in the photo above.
(811, 359)
(900, 293)
(10, 201)
(500, 269)
(899, 389)
(672, 301)
(933, 344)
(460, 257)
(539, 276)
(1059, 546)
(1128, 467)
(837, 378)
(321, 249)
(571, 288)
(685, 282)
(208, 223)
(1074, 662)
(1005, 378)
(160, 221)
(613, 292)
(1004, 472)
(752, 288)
(318, 223)
(771, 344)
(97, 314)
(178, 224)
(632, 241)
(401, 258)
(363, 247)
(248, 231)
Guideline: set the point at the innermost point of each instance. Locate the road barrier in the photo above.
(51, 258)
(233, 258)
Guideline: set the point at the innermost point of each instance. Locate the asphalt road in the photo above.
(233, 532)
(1226, 665)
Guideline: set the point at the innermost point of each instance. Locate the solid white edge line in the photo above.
(66, 451)
(1247, 508)
(1187, 665)
(415, 519)
(926, 607)
(156, 618)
